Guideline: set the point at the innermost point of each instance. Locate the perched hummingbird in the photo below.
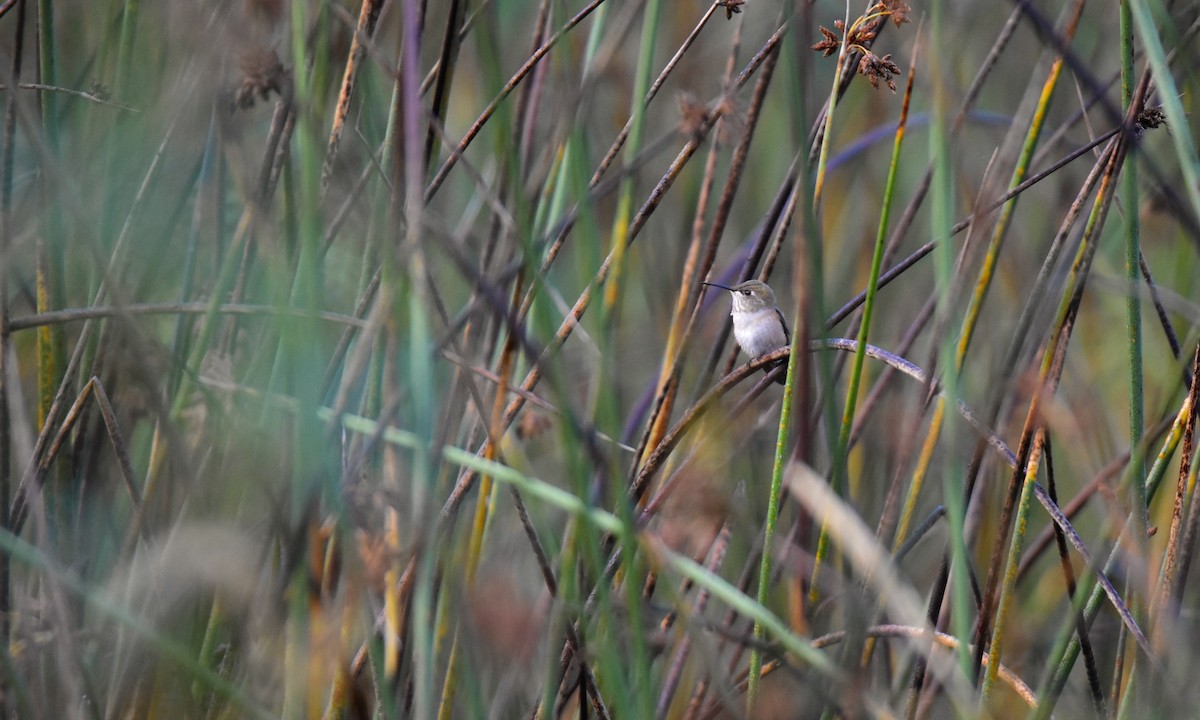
(758, 324)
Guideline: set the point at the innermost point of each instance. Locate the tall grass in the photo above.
(355, 362)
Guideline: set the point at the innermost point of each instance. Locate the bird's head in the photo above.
(749, 296)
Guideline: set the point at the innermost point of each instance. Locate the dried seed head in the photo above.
(897, 10)
(533, 424)
(263, 74)
(1147, 119)
(1150, 118)
(732, 7)
(862, 34)
(733, 118)
(829, 45)
(877, 68)
(859, 36)
(693, 114)
(100, 90)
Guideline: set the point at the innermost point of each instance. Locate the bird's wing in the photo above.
(786, 333)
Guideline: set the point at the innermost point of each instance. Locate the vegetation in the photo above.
(355, 360)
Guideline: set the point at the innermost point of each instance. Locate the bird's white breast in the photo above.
(758, 332)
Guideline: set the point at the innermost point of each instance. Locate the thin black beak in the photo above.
(723, 287)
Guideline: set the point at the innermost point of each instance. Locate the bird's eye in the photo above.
(746, 293)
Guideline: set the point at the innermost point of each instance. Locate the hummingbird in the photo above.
(758, 325)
